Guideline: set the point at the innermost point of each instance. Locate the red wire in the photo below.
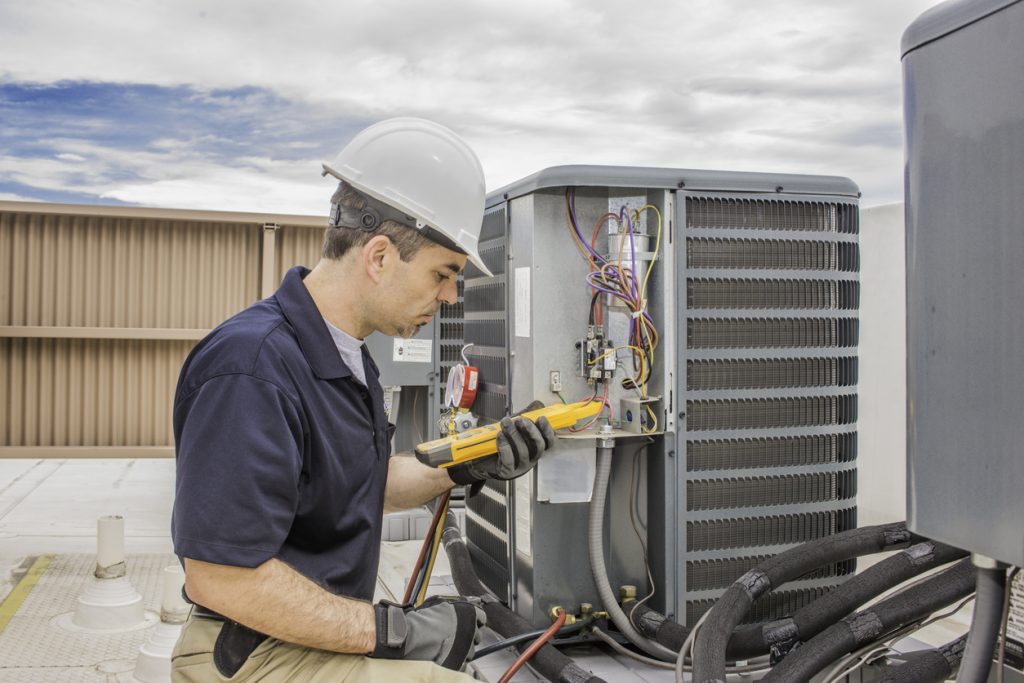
(534, 647)
(428, 542)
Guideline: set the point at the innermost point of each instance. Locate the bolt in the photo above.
(586, 608)
(627, 593)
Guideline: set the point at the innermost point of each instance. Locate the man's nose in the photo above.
(449, 293)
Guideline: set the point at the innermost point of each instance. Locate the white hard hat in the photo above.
(423, 170)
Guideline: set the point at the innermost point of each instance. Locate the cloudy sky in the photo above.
(232, 105)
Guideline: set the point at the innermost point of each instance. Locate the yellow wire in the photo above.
(654, 420)
(657, 248)
(617, 348)
(433, 554)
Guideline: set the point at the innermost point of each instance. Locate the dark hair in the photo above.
(338, 239)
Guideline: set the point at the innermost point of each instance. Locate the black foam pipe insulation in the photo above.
(755, 640)
(925, 666)
(548, 661)
(864, 627)
(712, 640)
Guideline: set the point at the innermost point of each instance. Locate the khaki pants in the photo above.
(274, 661)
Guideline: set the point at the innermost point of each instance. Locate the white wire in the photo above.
(625, 651)
(687, 647)
(634, 515)
(618, 647)
(885, 644)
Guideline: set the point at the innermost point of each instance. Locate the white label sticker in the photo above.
(413, 351)
(523, 302)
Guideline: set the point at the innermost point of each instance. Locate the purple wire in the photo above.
(632, 252)
(571, 195)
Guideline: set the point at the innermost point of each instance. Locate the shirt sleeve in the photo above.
(239, 467)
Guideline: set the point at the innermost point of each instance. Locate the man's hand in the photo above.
(520, 442)
(442, 630)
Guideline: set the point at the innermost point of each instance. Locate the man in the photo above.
(283, 446)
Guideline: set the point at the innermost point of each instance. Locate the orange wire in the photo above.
(535, 646)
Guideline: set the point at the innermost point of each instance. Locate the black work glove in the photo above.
(442, 630)
(521, 442)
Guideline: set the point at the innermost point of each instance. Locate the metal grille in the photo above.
(744, 333)
(771, 412)
(490, 552)
(796, 294)
(486, 304)
(492, 512)
(493, 368)
(758, 281)
(774, 254)
(711, 574)
(494, 257)
(492, 572)
(790, 489)
(760, 214)
(450, 339)
(771, 373)
(485, 297)
(787, 451)
(486, 332)
(774, 605)
(721, 534)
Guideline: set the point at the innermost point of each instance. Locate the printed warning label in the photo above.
(413, 351)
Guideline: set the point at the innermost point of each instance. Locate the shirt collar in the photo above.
(315, 339)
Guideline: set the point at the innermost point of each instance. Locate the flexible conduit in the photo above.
(595, 533)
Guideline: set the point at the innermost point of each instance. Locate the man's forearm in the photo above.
(411, 483)
(276, 600)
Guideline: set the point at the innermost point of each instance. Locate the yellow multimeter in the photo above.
(482, 441)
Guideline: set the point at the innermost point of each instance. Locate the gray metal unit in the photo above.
(417, 414)
(756, 294)
(965, 245)
(399, 372)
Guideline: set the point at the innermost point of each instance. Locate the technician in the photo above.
(284, 466)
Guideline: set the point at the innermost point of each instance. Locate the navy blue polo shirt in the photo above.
(280, 451)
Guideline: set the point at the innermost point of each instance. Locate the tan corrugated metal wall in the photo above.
(99, 307)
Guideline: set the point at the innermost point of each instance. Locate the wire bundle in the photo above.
(416, 589)
(611, 279)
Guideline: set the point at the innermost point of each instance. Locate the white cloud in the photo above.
(789, 85)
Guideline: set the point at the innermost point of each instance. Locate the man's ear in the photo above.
(375, 256)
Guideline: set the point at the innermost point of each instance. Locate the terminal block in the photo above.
(596, 355)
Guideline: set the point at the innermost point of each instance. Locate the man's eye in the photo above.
(441, 277)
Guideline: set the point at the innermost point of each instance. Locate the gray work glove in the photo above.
(521, 442)
(442, 630)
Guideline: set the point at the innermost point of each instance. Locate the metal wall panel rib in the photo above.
(298, 246)
(68, 277)
(88, 392)
(91, 271)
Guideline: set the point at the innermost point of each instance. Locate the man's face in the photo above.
(413, 291)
